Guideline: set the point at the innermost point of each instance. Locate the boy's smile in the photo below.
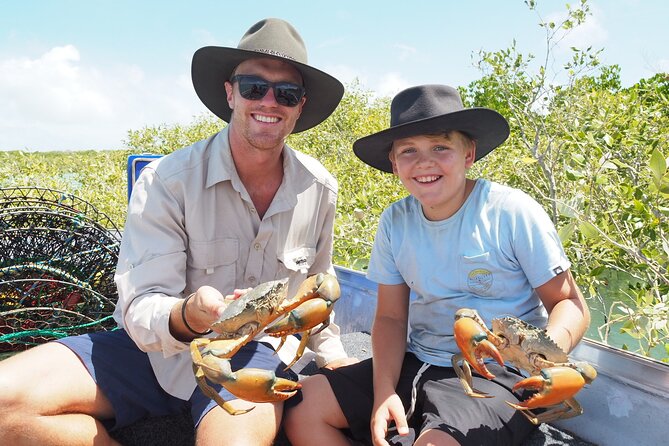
(428, 179)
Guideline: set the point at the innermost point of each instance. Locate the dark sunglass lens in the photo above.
(288, 94)
(253, 88)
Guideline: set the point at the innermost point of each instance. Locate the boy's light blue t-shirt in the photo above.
(489, 256)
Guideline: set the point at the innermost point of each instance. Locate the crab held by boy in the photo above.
(527, 347)
(247, 316)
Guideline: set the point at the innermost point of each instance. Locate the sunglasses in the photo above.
(255, 88)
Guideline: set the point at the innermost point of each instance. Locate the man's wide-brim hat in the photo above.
(273, 38)
(431, 109)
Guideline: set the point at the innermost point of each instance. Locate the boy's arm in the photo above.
(568, 314)
(389, 339)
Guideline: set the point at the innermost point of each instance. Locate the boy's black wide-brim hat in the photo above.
(277, 39)
(430, 109)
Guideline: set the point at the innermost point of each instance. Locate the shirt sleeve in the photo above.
(151, 270)
(536, 243)
(382, 267)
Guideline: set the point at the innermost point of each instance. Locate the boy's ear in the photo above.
(392, 161)
(470, 156)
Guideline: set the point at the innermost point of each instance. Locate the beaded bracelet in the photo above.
(183, 318)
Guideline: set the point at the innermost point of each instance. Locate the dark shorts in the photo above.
(125, 376)
(441, 404)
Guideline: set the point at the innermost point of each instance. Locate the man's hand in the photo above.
(202, 309)
(390, 409)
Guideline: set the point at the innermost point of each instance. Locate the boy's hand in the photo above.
(391, 409)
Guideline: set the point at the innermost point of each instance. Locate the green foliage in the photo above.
(95, 176)
(596, 156)
(164, 140)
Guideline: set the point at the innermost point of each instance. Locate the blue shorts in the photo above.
(125, 376)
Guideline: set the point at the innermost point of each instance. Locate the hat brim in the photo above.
(213, 65)
(484, 125)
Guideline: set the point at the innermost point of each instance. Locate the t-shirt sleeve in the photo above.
(382, 266)
(536, 243)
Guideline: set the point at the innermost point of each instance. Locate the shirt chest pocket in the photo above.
(297, 260)
(479, 277)
(213, 263)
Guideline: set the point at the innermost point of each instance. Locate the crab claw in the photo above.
(473, 342)
(260, 386)
(305, 317)
(320, 285)
(302, 319)
(556, 387)
(553, 385)
(256, 385)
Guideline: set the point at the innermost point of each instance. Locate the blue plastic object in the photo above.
(135, 165)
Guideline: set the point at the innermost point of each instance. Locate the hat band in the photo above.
(273, 53)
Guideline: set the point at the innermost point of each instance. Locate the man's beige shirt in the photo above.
(191, 223)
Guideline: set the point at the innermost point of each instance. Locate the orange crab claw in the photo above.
(261, 386)
(302, 319)
(305, 317)
(324, 286)
(554, 385)
(473, 342)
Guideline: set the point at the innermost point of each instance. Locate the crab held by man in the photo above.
(246, 317)
(529, 348)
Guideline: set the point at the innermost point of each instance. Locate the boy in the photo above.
(456, 243)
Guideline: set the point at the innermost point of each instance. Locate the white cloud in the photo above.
(59, 102)
(346, 74)
(391, 83)
(662, 66)
(404, 51)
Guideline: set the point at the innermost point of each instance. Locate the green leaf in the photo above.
(658, 165)
(565, 232)
(588, 230)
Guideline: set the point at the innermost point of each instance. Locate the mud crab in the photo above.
(529, 348)
(247, 316)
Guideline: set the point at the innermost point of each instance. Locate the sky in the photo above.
(80, 74)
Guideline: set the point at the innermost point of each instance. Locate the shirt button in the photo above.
(252, 280)
(257, 246)
(253, 210)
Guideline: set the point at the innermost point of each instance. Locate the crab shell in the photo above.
(523, 339)
(251, 309)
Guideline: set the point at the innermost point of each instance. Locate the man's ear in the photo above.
(229, 96)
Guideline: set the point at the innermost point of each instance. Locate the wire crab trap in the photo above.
(58, 254)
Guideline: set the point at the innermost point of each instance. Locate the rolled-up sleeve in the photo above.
(151, 271)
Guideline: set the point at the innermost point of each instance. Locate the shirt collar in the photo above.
(221, 167)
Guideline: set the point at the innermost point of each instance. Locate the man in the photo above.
(224, 214)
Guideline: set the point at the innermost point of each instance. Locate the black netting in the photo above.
(58, 254)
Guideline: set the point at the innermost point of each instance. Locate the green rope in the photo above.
(56, 334)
